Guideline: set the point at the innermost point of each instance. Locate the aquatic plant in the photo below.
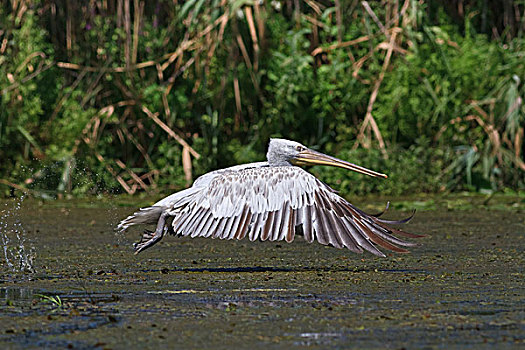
(54, 300)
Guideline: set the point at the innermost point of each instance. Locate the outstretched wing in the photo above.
(276, 203)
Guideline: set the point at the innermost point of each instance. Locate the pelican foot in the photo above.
(149, 239)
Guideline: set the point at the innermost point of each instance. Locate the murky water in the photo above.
(462, 288)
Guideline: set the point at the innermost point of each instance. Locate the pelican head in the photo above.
(283, 152)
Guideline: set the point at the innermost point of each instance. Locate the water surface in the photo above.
(462, 288)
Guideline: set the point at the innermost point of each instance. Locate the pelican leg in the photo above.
(149, 238)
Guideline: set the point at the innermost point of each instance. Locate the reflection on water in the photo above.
(18, 251)
(15, 294)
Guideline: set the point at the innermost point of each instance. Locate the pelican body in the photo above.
(273, 200)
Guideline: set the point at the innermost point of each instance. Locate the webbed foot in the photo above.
(150, 238)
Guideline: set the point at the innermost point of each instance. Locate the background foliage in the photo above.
(126, 96)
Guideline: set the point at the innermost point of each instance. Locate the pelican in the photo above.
(272, 200)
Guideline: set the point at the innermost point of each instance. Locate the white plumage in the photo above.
(272, 200)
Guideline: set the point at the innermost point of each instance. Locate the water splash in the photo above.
(19, 252)
(67, 181)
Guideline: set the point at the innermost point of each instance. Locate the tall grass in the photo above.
(150, 94)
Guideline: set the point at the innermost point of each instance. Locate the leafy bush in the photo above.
(132, 99)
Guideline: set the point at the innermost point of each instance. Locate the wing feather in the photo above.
(200, 230)
(361, 238)
(280, 234)
(241, 223)
(210, 226)
(231, 228)
(290, 231)
(344, 236)
(329, 229)
(319, 226)
(244, 224)
(400, 232)
(196, 221)
(255, 226)
(267, 226)
(345, 230)
(274, 203)
(384, 234)
(378, 240)
(298, 216)
(276, 225)
(185, 221)
(217, 233)
(307, 224)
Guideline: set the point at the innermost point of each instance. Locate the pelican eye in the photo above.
(300, 148)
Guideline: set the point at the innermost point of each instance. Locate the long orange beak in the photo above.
(310, 157)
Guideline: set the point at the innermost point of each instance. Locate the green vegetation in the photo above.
(129, 96)
(54, 301)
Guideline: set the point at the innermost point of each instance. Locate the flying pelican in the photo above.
(272, 200)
